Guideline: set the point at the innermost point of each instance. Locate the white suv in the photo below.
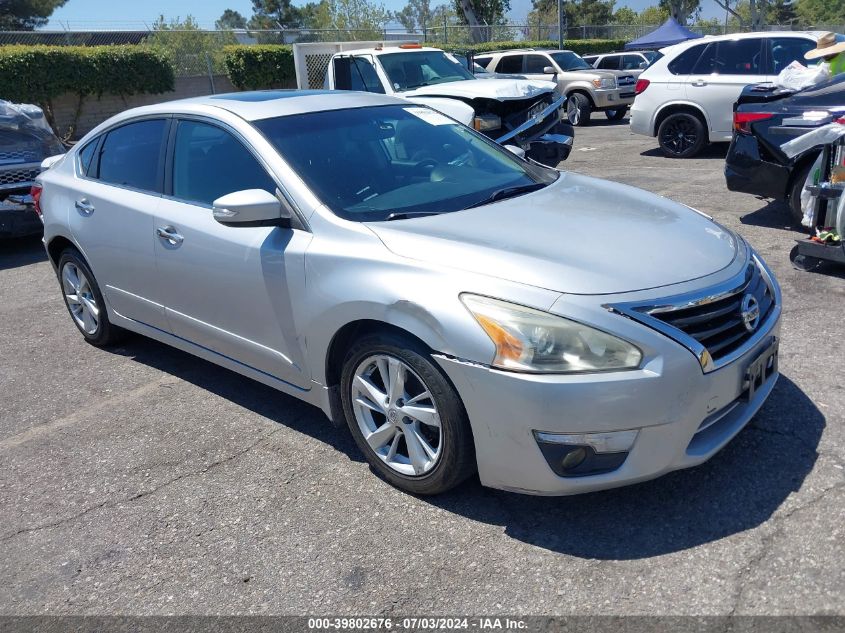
(686, 97)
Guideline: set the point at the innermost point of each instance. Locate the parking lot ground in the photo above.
(141, 480)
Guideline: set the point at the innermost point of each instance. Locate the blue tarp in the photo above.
(668, 33)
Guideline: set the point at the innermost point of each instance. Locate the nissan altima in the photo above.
(461, 309)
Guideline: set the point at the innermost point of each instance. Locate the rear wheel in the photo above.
(681, 135)
(616, 115)
(84, 301)
(578, 109)
(404, 415)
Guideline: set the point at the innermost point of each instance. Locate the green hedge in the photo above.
(260, 66)
(582, 47)
(39, 74)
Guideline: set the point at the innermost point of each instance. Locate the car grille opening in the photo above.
(718, 324)
(10, 178)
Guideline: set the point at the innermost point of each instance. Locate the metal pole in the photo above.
(445, 30)
(561, 23)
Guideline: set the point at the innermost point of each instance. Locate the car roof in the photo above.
(265, 104)
(681, 46)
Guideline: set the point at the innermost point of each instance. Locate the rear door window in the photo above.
(483, 61)
(510, 64)
(732, 57)
(130, 155)
(785, 50)
(632, 62)
(684, 63)
(609, 63)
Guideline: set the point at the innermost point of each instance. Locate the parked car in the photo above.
(448, 300)
(767, 117)
(633, 62)
(686, 97)
(25, 140)
(517, 112)
(585, 88)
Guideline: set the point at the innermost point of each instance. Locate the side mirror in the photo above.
(549, 70)
(251, 207)
(516, 149)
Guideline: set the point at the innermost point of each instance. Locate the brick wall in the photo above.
(95, 111)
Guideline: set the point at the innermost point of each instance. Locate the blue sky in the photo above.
(88, 14)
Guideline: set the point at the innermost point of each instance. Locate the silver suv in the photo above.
(585, 88)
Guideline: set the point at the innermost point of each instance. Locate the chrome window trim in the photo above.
(643, 311)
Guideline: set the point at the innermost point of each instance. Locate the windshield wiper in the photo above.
(402, 215)
(508, 192)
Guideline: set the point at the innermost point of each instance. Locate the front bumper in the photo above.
(683, 416)
(604, 99)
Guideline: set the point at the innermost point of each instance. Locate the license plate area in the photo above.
(760, 370)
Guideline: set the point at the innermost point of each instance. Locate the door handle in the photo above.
(169, 234)
(84, 207)
(699, 82)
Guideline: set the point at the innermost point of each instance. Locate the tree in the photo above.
(230, 20)
(653, 16)
(781, 12)
(578, 12)
(821, 12)
(479, 15)
(274, 14)
(415, 15)
(625, 15)
(682, 10)
(26, 15)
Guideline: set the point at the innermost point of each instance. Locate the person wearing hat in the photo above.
(830, 51)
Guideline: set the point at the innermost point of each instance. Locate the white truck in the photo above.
(513, 112)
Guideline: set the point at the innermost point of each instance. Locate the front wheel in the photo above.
(578, 109)
(616, 115)
(681, 135)
(405, 417)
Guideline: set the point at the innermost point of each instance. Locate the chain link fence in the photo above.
(200, 52)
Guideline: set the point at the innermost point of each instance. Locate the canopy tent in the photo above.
(670, 32)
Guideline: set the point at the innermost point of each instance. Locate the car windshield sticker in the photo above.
(430, 116)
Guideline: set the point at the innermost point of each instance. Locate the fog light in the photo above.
(581, 454)
(573, 459)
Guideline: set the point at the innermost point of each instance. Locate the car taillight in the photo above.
(743, 120)
(35, 192)
(641, 85)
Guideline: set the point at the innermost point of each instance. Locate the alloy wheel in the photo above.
(679, 136)
(573, 112)
(80, 298)
(397, 415)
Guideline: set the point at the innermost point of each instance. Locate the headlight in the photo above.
(534, 341)
(486, 122)
(605, 82)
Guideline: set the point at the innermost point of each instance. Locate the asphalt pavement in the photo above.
(142, 480)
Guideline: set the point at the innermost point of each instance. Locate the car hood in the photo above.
(498, 89)
(579, 235)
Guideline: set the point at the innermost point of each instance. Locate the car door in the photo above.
(509, 64)
(228, 289)
(719, 76)
(120, 182)
(611, 62)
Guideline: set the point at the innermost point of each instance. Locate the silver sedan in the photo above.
(460, 308)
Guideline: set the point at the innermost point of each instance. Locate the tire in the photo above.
(616, 115)
(681, 135)
(447, 456)
(578, 109)
(794, 195)
(84, 301)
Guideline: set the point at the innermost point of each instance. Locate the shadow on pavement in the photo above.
(713, 151)
(21, 251)
(773, 215)
(740, 488)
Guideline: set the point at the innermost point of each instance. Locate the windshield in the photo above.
(379, 163)
(568, 60)
(407, 71)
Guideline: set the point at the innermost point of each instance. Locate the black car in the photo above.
(765, 118)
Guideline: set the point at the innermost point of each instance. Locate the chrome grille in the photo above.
(718, 324)
(710, 323)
